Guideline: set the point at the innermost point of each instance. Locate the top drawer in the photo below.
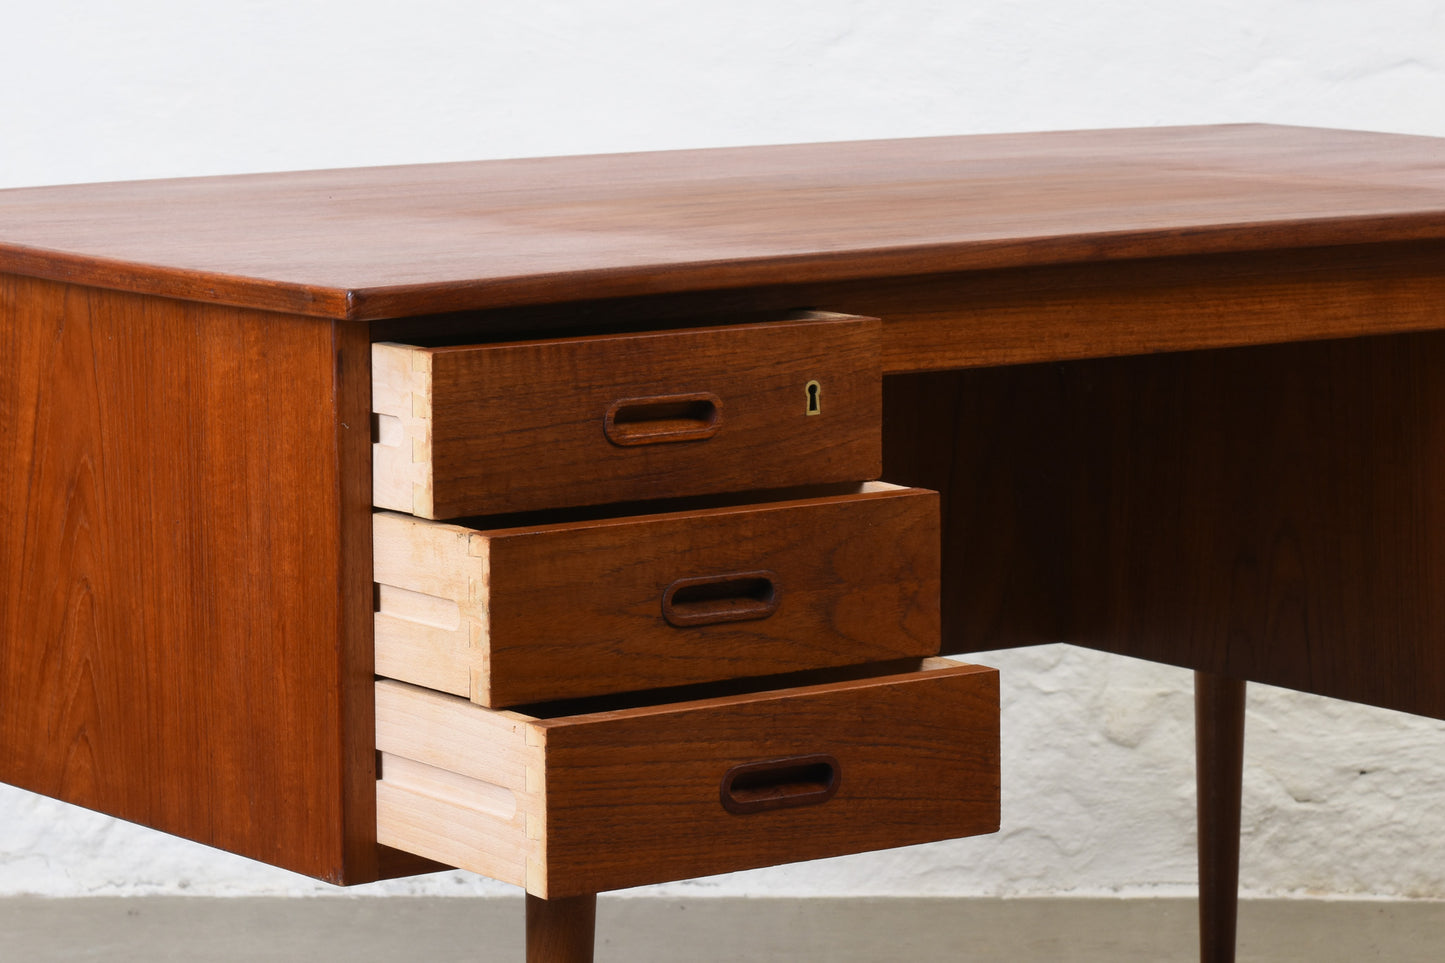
(522, 426)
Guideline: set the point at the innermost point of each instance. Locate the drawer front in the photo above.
(486, 429)
(587, 803)
(557, 611)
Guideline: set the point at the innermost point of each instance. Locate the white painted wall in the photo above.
(1098, 779)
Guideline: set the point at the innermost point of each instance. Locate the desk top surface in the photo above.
(386, 242)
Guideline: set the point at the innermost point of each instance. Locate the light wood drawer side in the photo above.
(401, 428)
(457, 783)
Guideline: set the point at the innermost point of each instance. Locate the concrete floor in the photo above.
(704, 930)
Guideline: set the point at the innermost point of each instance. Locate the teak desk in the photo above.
(1177, 388)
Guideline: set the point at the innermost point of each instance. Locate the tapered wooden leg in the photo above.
(561, 930)
(1219, 769)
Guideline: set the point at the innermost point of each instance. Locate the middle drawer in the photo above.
(533, 613)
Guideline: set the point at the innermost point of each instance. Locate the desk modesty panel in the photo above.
(187, 599)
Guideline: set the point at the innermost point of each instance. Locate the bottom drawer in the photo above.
(580, 802)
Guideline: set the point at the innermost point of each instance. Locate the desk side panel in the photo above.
(182, 534)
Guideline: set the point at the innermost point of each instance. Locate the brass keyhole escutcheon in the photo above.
(814, 390)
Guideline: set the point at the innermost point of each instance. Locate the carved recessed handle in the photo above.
(662, 419)
(756, 787)
(711, 599)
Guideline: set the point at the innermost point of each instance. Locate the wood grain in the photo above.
(1271, 513)
(1019, 491)
(1152, 305)
(183, 623)
(1304, 480)
(1219, 772)
(519, 426)
(569, 609)
(456, 818)
(403, 241)
(442, 731)
(1050, 312)
(401, 473)
(561, 930)
(631, 796)
(458, 785)
(355, 655)
(184, 509)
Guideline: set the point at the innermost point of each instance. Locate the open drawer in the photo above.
(564, 802)
(532, 425)
(525, 613)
